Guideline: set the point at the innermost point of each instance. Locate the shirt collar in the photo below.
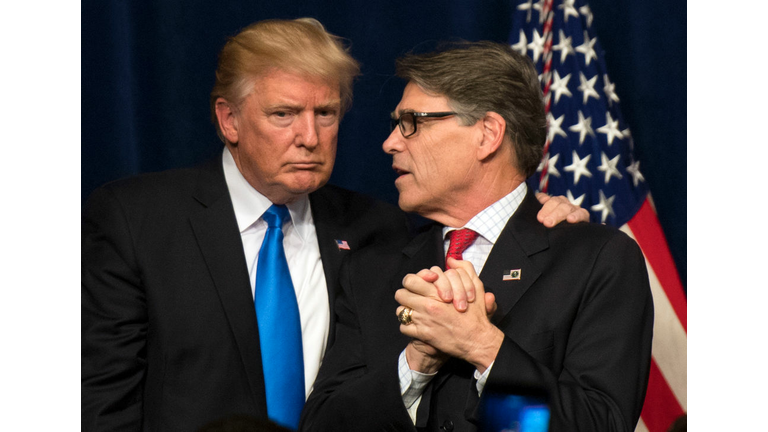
(491, 221)
(249, 204)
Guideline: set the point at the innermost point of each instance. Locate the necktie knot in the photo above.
(460, 241)
(276, 215)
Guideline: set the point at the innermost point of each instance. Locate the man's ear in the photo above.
(493, 126)
(225, 113)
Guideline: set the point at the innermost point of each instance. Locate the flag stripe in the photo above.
(651, 239)
(588, 156)
(670, 340)
(641, 427)
(661, 408)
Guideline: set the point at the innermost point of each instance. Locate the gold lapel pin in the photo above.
(510, 275)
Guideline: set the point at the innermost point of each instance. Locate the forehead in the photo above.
(280, 86)
(416, 99)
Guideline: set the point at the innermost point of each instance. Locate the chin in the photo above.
(307, 184)
(406, 205)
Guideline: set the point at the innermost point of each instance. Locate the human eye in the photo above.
(327, 116)
(281, 114)
(281, 117)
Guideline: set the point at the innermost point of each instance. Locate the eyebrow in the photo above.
(335, 104)
(396, 114)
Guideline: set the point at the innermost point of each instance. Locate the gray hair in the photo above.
(481, 77)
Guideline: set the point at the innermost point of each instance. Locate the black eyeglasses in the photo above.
(407, 120)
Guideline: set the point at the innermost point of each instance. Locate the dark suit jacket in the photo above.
(578, 325)
(169, 333)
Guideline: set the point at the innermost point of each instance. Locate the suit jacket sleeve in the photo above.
(359, 373)
(601, 382)
(114, 319)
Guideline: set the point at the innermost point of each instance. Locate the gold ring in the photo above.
(405, 316)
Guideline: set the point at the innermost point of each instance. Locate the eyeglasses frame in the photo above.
(397, 121)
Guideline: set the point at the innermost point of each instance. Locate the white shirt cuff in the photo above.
(482, 378)
(412, 384)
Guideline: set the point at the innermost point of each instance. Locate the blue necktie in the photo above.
(279, 325)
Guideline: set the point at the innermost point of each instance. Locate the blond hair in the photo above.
(301, 46)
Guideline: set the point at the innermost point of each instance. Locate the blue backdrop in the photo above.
(148, 68)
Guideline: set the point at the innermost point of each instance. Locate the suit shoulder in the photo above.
(590, 238)
(353, 201)
(598, 232)
(144, 194)
(160, 182)
(349, 207)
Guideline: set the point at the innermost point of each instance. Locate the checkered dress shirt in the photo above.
(488, 223)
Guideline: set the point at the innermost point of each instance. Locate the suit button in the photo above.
(447, 425)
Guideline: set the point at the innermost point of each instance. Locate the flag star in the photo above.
(587, 13)
(539, 6)
(587, 48)
(605, 206)
(526, 6)
(628, 137)
(537, 45)
(551, 168)
(554, 127)
(560, 86)
(587, 87)
(634, 170)
(608, 166)
(575, 201)
(610, 90)
(569, 9)
(564, 46)
(522, 43)
(611, 129)
(579, 167)
(583, 127)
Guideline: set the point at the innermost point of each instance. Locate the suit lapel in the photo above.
(522, 237)
(424, 251)
(330, 221)
(218, 237)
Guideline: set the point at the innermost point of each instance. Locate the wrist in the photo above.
(484, 352)
(422, 362)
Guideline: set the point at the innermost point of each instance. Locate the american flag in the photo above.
(588, 157)
(342, 244)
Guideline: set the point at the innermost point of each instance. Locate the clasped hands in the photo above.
(450, 318)
(447, 320)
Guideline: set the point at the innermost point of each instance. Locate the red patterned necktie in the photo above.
(460, 241)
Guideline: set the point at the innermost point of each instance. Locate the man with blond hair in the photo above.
(181, 324)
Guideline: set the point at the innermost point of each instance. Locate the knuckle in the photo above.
(432, 308)
(399, 295)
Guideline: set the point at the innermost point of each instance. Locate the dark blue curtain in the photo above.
(147, 71)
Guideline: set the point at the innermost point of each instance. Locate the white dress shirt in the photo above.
(302, 253)
(488, 223)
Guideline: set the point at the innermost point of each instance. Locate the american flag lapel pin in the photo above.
(342, 244)
(510, 275)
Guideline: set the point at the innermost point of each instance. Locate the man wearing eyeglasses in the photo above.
(575, 315)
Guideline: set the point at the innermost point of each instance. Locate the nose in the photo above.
(394, 143)
(307, 131)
